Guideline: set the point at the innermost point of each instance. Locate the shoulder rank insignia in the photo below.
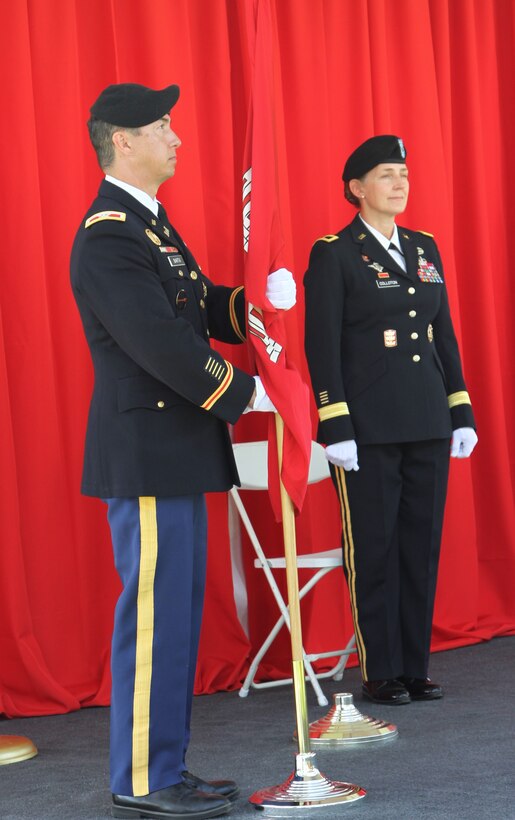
(118, 216)
(330, 237)
(426, 233)
(362, 236)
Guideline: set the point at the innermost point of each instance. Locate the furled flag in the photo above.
(263, 246)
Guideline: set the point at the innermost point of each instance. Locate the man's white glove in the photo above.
(261, 402)
(463, 441)
(281, 289)
(343, 454)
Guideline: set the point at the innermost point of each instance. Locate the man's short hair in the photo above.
(101, 136)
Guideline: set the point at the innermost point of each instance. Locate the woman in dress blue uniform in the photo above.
(156, 441)
(392, 406)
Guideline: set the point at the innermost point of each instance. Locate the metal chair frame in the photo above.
(252, 461)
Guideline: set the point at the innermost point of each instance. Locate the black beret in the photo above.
(385, 148)
(131, 105)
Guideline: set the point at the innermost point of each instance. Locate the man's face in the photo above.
(386, 188)
(154, 151)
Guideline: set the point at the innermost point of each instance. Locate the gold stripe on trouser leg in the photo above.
(348, 557)
(144, 644)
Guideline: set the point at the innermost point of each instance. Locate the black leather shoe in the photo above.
(179, 802)
(422, 688)
(391, 692)
(225, 788)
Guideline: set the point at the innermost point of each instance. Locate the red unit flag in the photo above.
(263, 245)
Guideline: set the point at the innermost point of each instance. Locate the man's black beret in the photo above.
(385, 148)
(131, 105)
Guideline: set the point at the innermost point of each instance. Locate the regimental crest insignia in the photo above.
(390, 338)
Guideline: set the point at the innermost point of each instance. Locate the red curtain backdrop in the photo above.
(437, 72)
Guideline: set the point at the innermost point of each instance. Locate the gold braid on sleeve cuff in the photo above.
(232, 314)
(330, 411)
(462, 397)
(221, 389)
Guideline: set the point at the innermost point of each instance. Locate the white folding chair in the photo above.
(252, 461)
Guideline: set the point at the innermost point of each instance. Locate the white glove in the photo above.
(343, 454)
(262, 403)
(463, 441)
(281, 289)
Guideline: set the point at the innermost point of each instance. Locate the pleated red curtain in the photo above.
(437, 72)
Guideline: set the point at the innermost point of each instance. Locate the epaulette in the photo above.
(330, 237)
(426, 233)
(118, 216)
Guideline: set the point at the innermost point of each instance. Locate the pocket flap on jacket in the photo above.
(148, 393)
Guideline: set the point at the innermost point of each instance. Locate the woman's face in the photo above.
(383, 190)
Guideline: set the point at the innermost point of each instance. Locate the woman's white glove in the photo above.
(343, 454)
(281, 289)
(262, 402)
(463, 441)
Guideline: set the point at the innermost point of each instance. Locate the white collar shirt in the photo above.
(395, 252)
(137, 193)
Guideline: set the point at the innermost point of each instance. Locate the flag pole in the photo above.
(292, 581)
(306, 788)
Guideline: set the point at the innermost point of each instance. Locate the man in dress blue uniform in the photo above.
(156, 441)
(391, 397)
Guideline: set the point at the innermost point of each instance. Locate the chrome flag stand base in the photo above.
(305, 789)
(14, 749)
(345, 726)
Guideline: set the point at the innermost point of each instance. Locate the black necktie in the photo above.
(161, 214)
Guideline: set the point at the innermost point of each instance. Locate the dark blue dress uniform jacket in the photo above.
(381, 349)
(162, 395)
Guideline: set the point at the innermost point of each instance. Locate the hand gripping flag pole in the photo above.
(290, 428)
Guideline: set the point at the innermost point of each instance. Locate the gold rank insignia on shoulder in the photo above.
(330, 237)
(426, 233)
(152, 236)
(362, 236)
(101, 216)
(406, 236)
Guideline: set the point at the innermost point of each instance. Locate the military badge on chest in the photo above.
(383, 278)
(426, 270)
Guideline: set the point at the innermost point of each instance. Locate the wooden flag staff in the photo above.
(306, 788)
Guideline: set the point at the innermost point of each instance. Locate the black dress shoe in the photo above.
(391, 692)
(179, 802)
(225, 788)
(422, 688)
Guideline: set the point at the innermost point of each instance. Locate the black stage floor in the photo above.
(454, 758)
